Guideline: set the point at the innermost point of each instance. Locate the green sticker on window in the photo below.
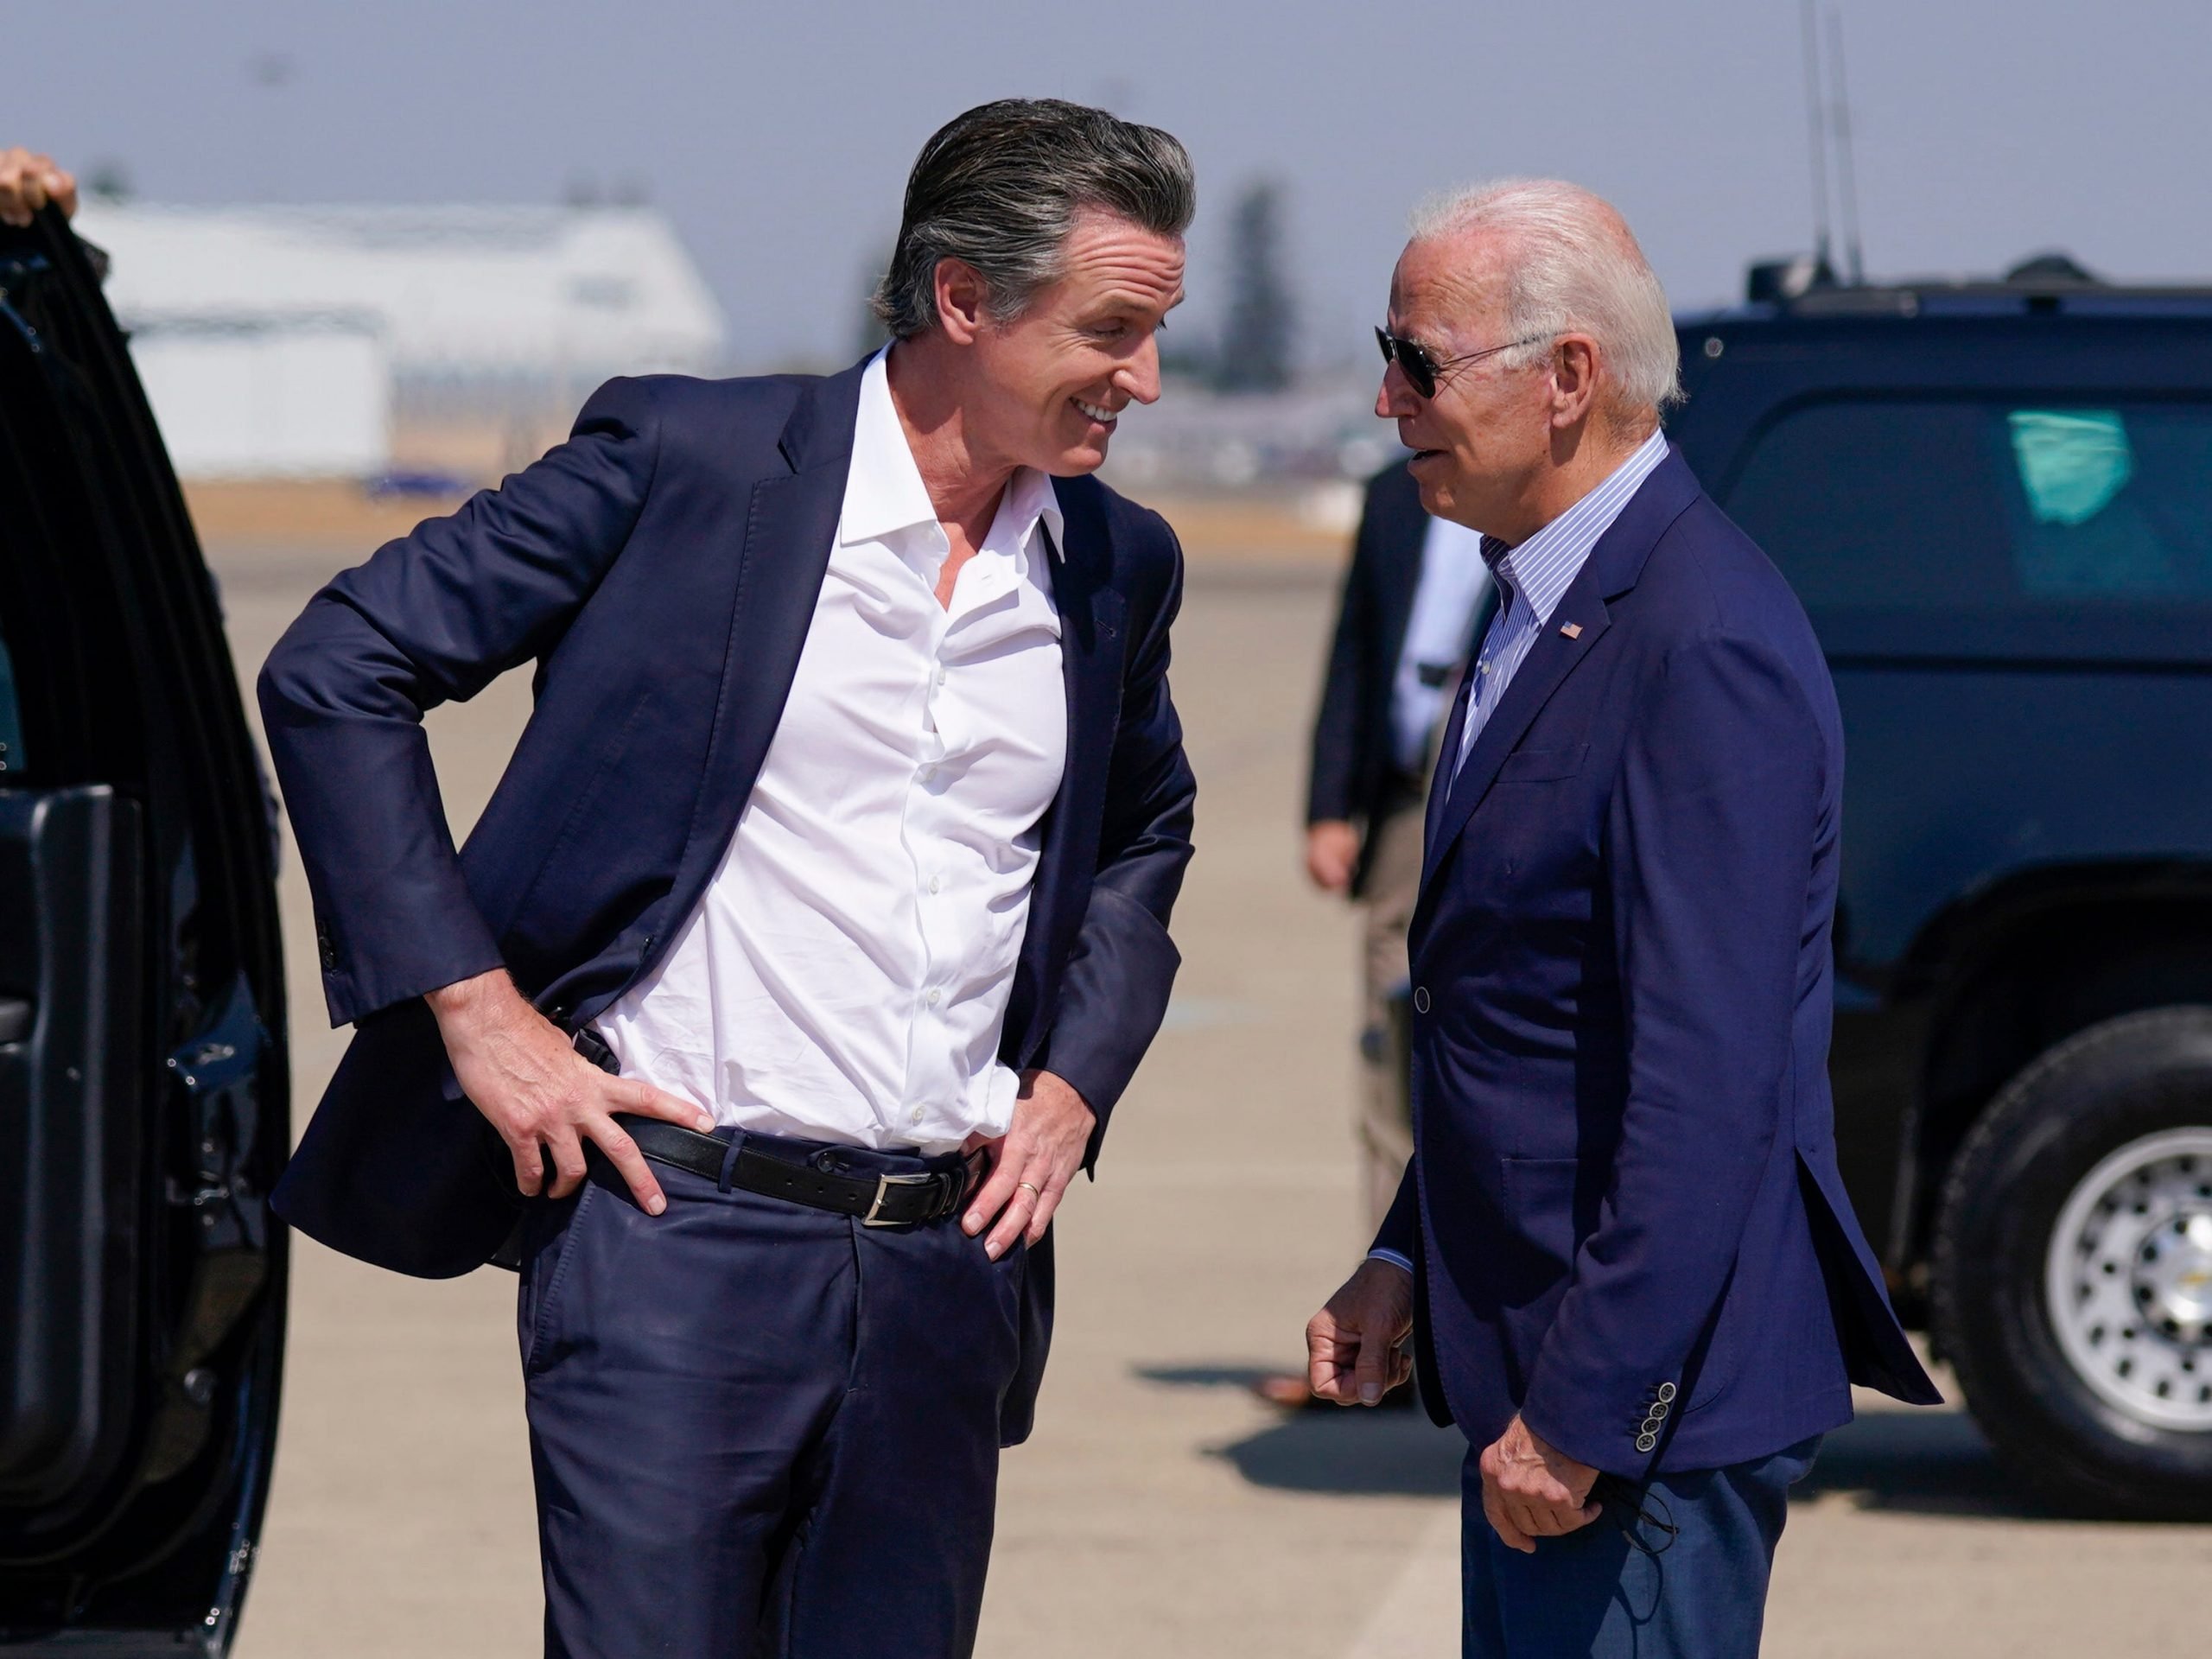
(2072, 462)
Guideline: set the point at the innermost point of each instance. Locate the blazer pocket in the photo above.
(1541, 765)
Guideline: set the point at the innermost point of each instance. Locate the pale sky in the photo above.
(778, 137)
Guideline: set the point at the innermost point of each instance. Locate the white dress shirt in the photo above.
(1452, 581)
(845, 975)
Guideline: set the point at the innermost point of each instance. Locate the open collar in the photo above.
(884, 493)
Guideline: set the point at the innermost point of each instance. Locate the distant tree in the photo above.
(108, 180)
(1255, 337)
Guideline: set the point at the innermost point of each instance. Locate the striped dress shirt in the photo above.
(1535, 577)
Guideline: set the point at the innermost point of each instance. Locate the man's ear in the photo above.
(1574, 379)
(961, 299)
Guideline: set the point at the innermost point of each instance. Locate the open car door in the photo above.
(142, 1085)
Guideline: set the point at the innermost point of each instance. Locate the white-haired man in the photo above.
(1622, 1245)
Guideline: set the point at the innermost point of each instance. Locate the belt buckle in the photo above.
(883, 1185)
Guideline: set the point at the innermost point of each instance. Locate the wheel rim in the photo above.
(2128, 1281)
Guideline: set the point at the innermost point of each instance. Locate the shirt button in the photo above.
(916, 1116)
(935, 997)
(940, 677)
(935, 882)
(1420, 999)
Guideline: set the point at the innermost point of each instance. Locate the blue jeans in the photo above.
(1625, 1585)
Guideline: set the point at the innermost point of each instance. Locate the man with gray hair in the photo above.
(818, 921)
(1622, 1249)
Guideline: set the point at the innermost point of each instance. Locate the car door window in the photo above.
(13, 760)
(1989, 525)
(2112, 502)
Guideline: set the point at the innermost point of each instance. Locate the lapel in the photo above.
(1612, 570)
(789, 523)
(1447, 747)
(1092, 620)
(1092, 615)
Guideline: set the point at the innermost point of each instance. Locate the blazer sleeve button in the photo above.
(1420, 999)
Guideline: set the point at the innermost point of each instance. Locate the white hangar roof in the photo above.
(458, 291)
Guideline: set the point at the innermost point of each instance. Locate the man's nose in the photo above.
(1394, 398)
(1140, 376)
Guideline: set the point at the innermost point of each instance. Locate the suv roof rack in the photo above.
(1806, 285)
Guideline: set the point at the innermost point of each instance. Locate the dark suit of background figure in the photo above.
(1624, 1207)
(1355, 776)
(661, 569)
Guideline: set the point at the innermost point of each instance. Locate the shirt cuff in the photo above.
(1392, 1256)
(1001, 1087)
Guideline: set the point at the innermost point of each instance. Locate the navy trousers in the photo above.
(760, 1430)
(1625, 1588)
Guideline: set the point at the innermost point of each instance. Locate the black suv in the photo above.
(1995, 500)
(142, 1085)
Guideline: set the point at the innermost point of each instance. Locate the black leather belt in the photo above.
(879, 1200)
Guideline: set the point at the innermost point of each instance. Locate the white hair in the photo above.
(1572, 265)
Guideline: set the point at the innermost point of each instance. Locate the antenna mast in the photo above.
(1818, 131)
(1846, 174)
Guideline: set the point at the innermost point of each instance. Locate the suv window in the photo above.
(1983, 505)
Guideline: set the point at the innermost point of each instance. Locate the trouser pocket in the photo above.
(548, 1249)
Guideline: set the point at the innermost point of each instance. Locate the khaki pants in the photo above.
(1385, 1125)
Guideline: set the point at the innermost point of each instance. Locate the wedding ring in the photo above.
(1032, 1185)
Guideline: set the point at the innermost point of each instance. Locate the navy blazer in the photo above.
(1624, 1204)
(661, 568)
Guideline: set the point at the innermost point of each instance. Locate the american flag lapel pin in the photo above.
(1571, 630)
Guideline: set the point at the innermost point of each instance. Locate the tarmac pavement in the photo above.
(1159, 1509)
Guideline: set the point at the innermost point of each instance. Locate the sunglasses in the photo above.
(1421, 366)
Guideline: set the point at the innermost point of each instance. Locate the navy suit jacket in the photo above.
(661, 569)
(1351, 764)
(1623, 1206)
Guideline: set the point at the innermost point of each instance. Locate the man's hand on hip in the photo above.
(531, 1085)
(1355, 1347)
(1532, 1490)
(1030, 1164)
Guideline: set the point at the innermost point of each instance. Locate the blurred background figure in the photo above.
(1415, 596)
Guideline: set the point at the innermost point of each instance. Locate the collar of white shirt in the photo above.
(884, 494)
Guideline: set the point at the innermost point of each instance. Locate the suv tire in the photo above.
(2087, 1360)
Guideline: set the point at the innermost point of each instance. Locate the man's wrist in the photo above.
(468, 996)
